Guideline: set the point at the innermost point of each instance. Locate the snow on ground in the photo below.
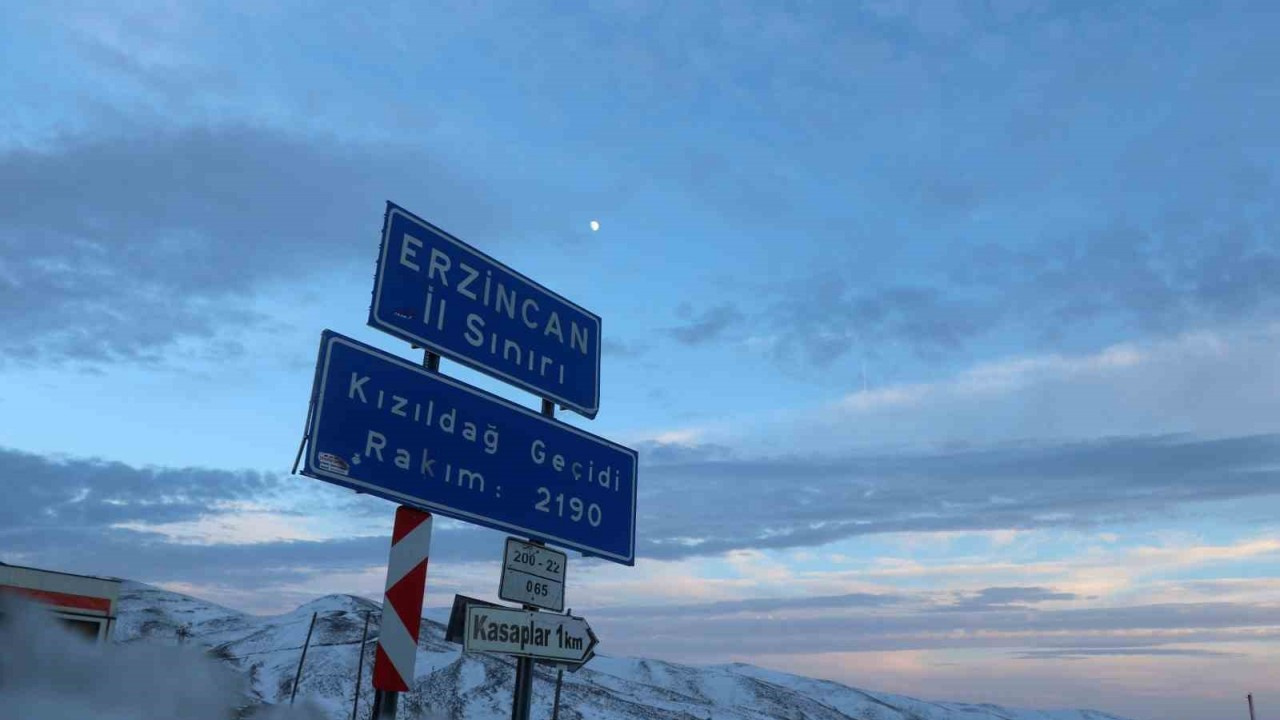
(232, 659)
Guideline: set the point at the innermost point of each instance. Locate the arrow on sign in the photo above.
(544, 636)
(571, 667)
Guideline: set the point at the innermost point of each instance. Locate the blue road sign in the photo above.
(388, 427)
(436, 291)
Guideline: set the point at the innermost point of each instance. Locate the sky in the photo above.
(946, 331)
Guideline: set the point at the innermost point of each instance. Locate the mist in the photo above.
(49, 673)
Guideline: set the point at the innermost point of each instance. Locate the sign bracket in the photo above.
(430, 360)
(306, 436)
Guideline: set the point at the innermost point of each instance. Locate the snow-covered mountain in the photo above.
(478, 687)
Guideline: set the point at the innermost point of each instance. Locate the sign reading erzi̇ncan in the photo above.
(438, 292)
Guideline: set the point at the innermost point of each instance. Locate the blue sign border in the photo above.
(400, 332)
(311, 467)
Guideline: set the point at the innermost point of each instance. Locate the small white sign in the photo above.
(533, 575)
(546, 636)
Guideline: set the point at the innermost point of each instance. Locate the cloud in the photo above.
(1003, 598)
(1211, 383)
(262, 574)
(704, 327)
(149, 557)
(866, 629)
(177, 524)
(680, 447)
(1046, 214)
(624, 349)
(756, 605)
(52, 492)
(120, 245)
(151, 49)
(198, 525)
(1080, 653)
(1114, 282)
(834, 315)
(1226, 589)
(710, 507)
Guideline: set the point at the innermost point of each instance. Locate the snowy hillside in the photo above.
(478, 687)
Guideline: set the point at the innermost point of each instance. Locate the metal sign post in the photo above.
(523, 698)
(381, 425)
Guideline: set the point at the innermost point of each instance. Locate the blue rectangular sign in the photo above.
(388, 427)
(436, 291)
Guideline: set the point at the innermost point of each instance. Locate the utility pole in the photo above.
(555, 708)
(298, 675)
(1250, 696)
(364, 636)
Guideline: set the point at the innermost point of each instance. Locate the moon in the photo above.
(595, 225)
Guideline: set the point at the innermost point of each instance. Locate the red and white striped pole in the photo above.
(402, 605)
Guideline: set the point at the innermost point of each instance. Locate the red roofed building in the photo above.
(84, 603)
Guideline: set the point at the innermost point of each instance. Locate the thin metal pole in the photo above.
(522, 697)
(555, 708)
(1250, 696)
(364, 636)
(298, 675)
(524, 688)
(390, 699)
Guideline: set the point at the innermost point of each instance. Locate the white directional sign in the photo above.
(533, 575)
(545, 636)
